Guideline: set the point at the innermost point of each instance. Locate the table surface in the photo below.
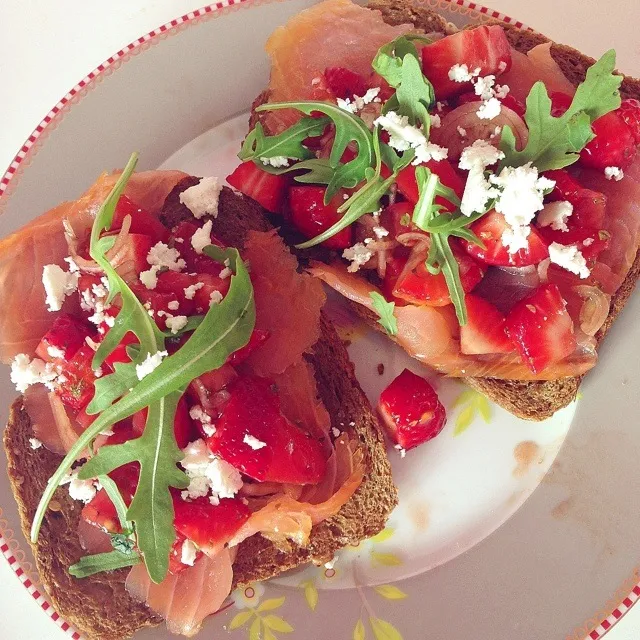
(44, 51)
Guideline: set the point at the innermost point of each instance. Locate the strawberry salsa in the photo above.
(484, 216)
(176, 434)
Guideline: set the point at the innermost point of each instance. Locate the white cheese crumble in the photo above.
(359, 102)
(55, 352)
(190, 291)
(58, 284)
(477, 190)
(95, 299)
(253, 442)
(149, 278)
(197, 413)
(276, 161)
(208, 473)
(555, 215)
(174, 305)
(188, 553)
(202, 198)
(569, 257)
(25, 372)
(401, 450)
(331, 563)
(461, 73)
(462, 131)
(83, 490)
(161, 255)
(483, 87)
(202, 237)
(336, 432)
(380, 232)
(436, 122)
(215, 298)
(403, 136)
(35, 443)
(175, 323)
(489, 109)
(358, 255)
(613, 173)
(226, 272)
(150, 363)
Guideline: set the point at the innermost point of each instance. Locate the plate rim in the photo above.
(595, 628)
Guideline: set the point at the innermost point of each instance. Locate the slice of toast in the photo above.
(99, 605)
(535, 400)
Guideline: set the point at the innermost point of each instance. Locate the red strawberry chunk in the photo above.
(411, 411)
(196, 262)
(344, 83)
(484, 48)
(141, 220)
(64, 338)
(485, 331)
(176, 554)
(613, 146)
(311, 216)
(265, 188)
(629, 111)
(258, 337)
(408, 185)
(542, 328)
(560, 102)
(285, 452)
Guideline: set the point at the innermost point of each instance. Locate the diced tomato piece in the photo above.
(490, 229)
(613, 146)
(345, 83)
(421, 287)
(408, 186)
(396, 218)
(485, 329)
(258, 337)
(311, 216)
(411, 411)
(64, 338)
(542, 328)
(141, 220)
(629, 111)
(211, 284)
(265, 188)
(288, 455)
(77, 387)
(560, 102)
(485, 48)
(209, 526)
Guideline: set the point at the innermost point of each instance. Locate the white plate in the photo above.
(456, 489)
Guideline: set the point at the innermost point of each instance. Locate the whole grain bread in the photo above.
(99, 606)
(535, 400)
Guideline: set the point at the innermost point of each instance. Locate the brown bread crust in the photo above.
(99, 606)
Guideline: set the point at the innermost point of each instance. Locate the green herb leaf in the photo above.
(287, 144)
(319, 171)
(111, 488)
(349, 128)
(385, 310)
(390, 57)
(90, 565)
(555, 143)
(122, 543)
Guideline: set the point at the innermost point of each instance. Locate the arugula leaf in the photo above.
(349, 128)
(288, 143)
(122, 543)
(319, 171)
(89, 565)
(555, 143)
(385, 310)
(389, 59)
(111, 488)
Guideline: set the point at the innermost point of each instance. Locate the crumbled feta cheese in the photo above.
(358, 255)
(83, 490)
(98, 373)
(202, 237)
(55, 352)
(483, 87)
(587, 242)
(215, 298)
(401, 450)
(190, 291)
(202, 198)
(197, 413)
(501, 91)
(380, 232)
(25, 372)
(569, 257)
(614, 173)
(336, 432)
(555, 215)
(149, 278)
(516, 238)
(429, 151)
(460, 73)
(331, 563)
(440, 106)
(253, 442)
(188, 553)
(161, 255)
(489, 109)
(477, 190)
(276, 161)
(150, 363)
(226, 272)
(480, 155)
(436, 122)
(95, 299)
(73, 267)
(175, 323)
(502, 66)
(58, 284)
(208, 473)
(35, 443)
(359, 102)
(496, 132)
(462, 131)
(174, 305)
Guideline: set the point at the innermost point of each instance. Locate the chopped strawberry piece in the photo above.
(490, 229)
(542, 328)
(155, 301)
(183, 427)
(485, 48)
(411, 411)
(613, 146)
(211, 286)
(209, 526)
(196, 262)
(141, 220)
(78, 378)
(418, 286)
(311, 216)
(590, 242)
(132, 256)
(560, 102)
(175, 555)
(175, 283)
(344, 83)
(64, 338)
(257, 338)
(629, 111)
(485, 329)
(119, 354)
(408, 186)
(253, 410)
(265, 188)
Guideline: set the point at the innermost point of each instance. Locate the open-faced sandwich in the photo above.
(474, 193)
(189, 421)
